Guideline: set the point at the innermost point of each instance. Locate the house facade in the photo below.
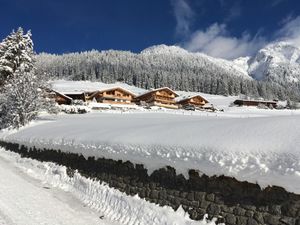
(197, 101)
(162, 97)
(115, 95)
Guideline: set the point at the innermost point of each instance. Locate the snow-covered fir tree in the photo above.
(23, 92)
(16, 51)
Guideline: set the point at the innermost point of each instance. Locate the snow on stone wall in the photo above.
(231, 201)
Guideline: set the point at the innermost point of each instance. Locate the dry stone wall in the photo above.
(231, 201)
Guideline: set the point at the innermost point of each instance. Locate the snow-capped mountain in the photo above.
(279, 62)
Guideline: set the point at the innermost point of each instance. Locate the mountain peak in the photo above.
(278, 61)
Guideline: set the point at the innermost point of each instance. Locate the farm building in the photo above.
(76, 95)
(163, 97)
(241, 102)
(61, 98)
(116, 95)
(196, 100)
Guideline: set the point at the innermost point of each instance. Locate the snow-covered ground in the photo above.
(25, 200)
(258, 145)
(35, 193)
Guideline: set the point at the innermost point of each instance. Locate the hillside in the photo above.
(171, 66)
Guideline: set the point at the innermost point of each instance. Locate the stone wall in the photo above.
(232, 201)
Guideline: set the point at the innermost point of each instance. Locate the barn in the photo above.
(242, 102)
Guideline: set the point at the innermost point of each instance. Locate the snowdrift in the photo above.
(263, 150)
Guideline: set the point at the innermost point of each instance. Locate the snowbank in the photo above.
(109, 202)
(262, 149)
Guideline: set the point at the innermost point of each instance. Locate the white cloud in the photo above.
(217, 42)
(290, 31)
(183, 14)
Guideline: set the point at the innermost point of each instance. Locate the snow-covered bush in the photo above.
(78, 102)
(74, 109)
(262, 106)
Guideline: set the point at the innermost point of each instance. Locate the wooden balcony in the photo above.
(164, 99)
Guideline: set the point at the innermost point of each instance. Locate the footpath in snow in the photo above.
(259, 149)
(35, 193)
(24, 201)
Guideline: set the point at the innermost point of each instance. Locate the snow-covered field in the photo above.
(35, 193)
(255, 145)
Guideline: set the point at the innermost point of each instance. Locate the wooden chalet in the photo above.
(241, 102)
(163, 97)
(116, 95)
(196, 100)
(67, 98)
(61, 98)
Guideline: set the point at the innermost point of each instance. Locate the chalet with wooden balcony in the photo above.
(163, 97)
(196, 100)
(116, 95)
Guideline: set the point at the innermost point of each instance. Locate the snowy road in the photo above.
(25, 201)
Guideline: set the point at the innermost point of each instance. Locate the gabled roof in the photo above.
(184, 98)
(91, 87)
(257, 101)
(63, 95)
(113, 88)
(158, 89)
(72, 93)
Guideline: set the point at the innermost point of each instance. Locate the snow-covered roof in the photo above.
(88, 86)
(158, 89)
(73, 93)
(185, 97)
(255, 100)
(113, 88)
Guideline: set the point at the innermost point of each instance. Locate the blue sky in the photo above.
(221, 28)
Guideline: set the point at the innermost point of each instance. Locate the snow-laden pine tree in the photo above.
(23, 99)
(16, 51)
(23, 94)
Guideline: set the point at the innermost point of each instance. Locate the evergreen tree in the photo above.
(23, 93)
(16, 51)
